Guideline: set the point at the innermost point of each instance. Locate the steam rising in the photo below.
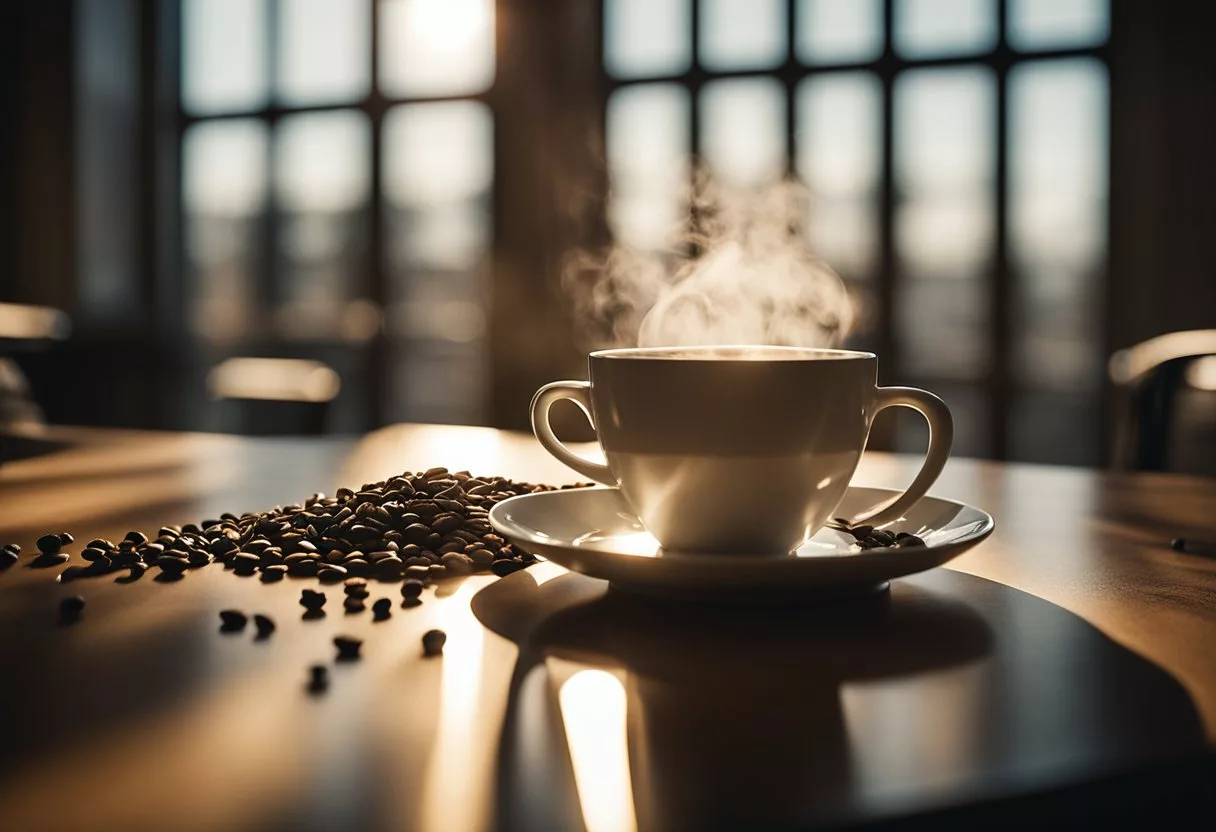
(740, 272)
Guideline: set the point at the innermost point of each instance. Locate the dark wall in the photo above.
(9, 67)
(1163, 157)
(37, 251)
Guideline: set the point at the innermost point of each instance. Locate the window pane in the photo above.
(1057, 24)
(839, 31)
(1058, 219)
(224, 47)
(840, 160)
(323, 50)
(223, 194)
(438, 173)
(968, 407)
(647, 146)
(931, 28)
(1056, 427)
(436, 47)
(322, 166)
(944, 160)
(438, 177)
(647, 37)
(743, 131)
(742, 34)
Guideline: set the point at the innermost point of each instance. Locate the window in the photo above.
(955, 152)
(337, 167)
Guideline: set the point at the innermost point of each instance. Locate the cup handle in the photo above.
(578, 392)
(941, 436)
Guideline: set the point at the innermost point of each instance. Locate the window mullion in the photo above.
(269, 290)
(1000, 289)
(377, 359)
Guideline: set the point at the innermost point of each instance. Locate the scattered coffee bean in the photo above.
(882, 537)
(70, 608)
(311, 599)
(457, 564)
(49, 544)
(11, 547)
(481, 558)
(352, 604)
(138, 538)
(411, 588)
(66, 539)
(904, 540)
(245, 564)
(433, 641)
(233, 621)
(382, 609)
(331, 574)
(100, 543)
(172, 566)
(264, 625)
(270, 574)
(348, 648)
(318, 679)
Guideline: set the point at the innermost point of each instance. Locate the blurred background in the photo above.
(319, 216)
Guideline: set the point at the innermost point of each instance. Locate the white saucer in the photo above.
(593, 531)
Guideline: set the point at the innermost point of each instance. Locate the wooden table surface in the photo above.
(1066, 666)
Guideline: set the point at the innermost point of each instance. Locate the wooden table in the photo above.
(1064, 668)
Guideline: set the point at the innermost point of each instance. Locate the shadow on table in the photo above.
(945, 692)
(735, 714)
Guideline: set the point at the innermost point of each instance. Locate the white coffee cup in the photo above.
(737, 449)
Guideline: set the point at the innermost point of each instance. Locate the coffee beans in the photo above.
(348, 648)
(318, 679)
(433, 641)
(49, 544)
(9, 554)
(867, 537)
(264, 625)
(457, 563)
(311, 599)
(232, 621)
(171, 567)
(415, 529)
(70, 609)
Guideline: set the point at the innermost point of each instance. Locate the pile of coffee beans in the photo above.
(868, 537)
(416, 527)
